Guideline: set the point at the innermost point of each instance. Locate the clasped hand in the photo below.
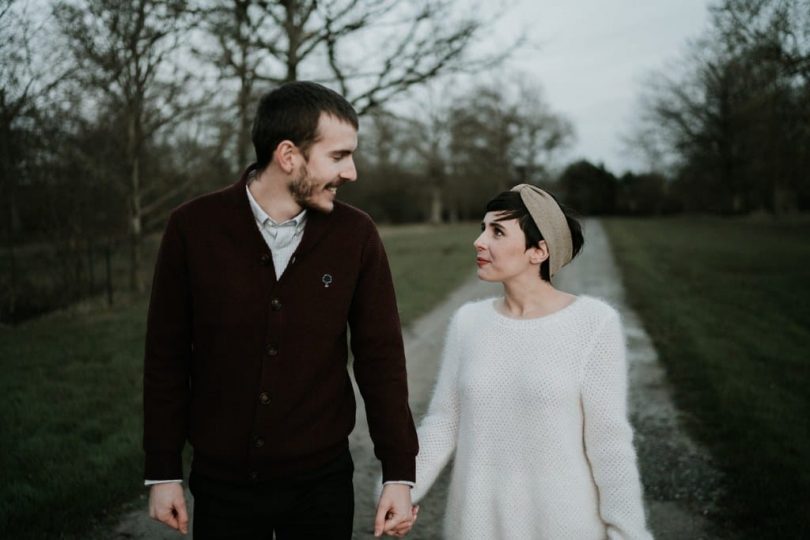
(395, 513)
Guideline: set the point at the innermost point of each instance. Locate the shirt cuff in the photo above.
(406, 482)
(153, 482)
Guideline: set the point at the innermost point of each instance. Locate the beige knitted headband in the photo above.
(549, 218)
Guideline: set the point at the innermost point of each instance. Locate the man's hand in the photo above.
(167, 504)
(395, 516)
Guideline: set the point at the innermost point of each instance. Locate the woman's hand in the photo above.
(394, 510)
(406, 526)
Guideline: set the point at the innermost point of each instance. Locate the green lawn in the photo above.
(70, 393)
(428, 263)
(727, 303)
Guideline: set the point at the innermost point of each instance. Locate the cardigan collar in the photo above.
(317, 223)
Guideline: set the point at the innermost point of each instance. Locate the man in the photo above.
(246, 345)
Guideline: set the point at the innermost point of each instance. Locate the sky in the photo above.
(591, 58)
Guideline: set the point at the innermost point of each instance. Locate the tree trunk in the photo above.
(435, 204)
(136, 233)
(245, 92)
(134, 142)
(91, 274)
(785, 200)
(6, 176)
(243, 138)
(438, 181)
(13, 279)
(293, 40)
(108, 272)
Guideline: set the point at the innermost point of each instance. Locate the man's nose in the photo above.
(350, 172)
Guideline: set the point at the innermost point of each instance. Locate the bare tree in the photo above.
(772, 38)
(370, 50)
(737, 116)
(499, 138)
(778, 30)
(123, 51)
(24, 80)
(433, 146)
(16, 82)
(238, 29)
(698, 115)
(540, 135)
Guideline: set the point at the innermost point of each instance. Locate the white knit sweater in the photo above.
(535, 410)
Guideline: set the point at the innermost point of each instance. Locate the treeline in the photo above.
(731, 124)
(725, 131)
(112, 113)
(446, 160)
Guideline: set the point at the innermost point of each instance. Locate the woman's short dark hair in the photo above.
(291, 112)
(510, 203)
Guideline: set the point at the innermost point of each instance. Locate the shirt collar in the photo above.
(262, 217)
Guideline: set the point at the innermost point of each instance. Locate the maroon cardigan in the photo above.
(253, 371)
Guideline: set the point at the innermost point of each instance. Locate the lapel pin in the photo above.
(327, 280)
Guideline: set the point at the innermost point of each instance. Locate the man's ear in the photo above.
(539, 253)
(285, 156)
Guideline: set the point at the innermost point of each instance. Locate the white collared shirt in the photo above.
(282, 238)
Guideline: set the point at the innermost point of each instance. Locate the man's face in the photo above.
(330, 165)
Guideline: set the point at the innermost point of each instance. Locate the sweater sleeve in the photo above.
(609, 436)
(438, 431)
(166, 361)
(379, 363)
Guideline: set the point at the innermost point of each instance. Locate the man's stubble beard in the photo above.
(302, 187)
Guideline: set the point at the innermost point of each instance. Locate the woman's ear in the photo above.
(285, 156)
(538, 254)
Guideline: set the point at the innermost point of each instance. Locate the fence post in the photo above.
(91, 270)
(12, 298)
(108, 265)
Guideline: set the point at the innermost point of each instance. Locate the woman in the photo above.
(531, 394)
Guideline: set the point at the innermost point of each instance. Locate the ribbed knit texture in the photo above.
(535, 410)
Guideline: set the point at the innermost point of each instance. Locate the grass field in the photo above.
(427, 263)
(49, 278)
(70, 393)
(727, 303)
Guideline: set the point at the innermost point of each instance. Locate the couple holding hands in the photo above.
(255, 289)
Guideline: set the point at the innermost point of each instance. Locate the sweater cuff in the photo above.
(399, 467)
(148, 483)
(163, 466)
(400, 482)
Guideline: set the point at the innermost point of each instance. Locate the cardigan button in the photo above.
(258, 442)
(265, 259)
(272, 350)
(275, 304)
(253, 476)
(264, 398)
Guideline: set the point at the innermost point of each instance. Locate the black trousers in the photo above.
(316, 504)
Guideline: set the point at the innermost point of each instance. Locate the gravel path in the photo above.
(679, 480)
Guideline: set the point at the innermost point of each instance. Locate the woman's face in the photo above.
(501, 251)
